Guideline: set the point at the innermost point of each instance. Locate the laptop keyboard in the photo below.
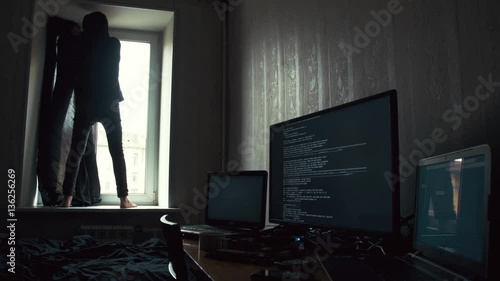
(208, 228)
(373, 268)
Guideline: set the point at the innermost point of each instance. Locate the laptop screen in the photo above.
(237, 199)
(452, 204)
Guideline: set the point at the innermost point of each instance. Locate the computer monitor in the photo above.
(237, 199)
(335, 168)
(452, 223)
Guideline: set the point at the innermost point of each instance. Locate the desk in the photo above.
(228, 271)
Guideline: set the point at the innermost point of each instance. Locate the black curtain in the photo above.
(56, 120)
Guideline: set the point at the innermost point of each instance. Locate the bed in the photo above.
(83, 258)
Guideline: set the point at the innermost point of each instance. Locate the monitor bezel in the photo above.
(454, 261)
(393, 105)
(239, 224)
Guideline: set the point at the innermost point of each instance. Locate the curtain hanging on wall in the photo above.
(56, 121)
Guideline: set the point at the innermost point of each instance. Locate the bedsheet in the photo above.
(82, 258)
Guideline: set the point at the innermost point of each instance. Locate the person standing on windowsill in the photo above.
(97, 97)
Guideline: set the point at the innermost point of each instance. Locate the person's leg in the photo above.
(81, 129)
(112, 124)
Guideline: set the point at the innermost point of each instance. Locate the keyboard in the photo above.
(257, 258)
(375, 268)
(198, 228)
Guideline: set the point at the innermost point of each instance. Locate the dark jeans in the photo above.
(84, 120)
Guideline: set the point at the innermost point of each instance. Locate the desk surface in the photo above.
(229, 271)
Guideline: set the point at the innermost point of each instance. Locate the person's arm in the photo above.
(114, 68)
(114, 59)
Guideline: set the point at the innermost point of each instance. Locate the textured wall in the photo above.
(287, 60)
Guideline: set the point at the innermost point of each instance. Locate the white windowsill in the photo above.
(95, 208)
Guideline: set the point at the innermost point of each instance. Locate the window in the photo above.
(157, 32)
(140, 124)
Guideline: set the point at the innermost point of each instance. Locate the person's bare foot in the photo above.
(125, 203)
(66, 201)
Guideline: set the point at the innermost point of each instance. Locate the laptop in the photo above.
(451, 225)
(181, 266)
(236, 203)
